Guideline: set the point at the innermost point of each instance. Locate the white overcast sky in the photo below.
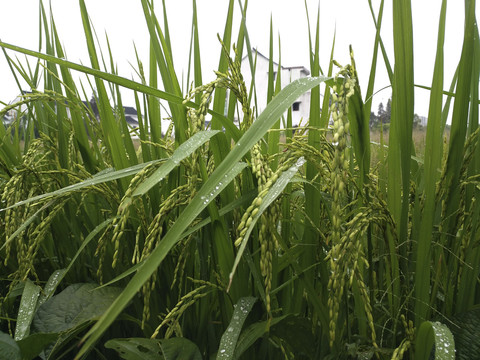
(123, 21)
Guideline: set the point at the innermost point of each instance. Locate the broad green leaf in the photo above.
(465, 328)
(9, 349)
(438, 334)
(223, 175)
(179, 349)
(229, 338)
(74, 305)
(26, 310)
(153, 349)
(32, 345)
(136, 348)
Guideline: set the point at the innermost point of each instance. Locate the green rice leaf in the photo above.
(9, 348)
(254, 332)
(136, 348)
(74, 305)
(33, 345)
(438, 334)
(26, 310)
(433, 157)
(183, 151)
(230, 336)
(114, 139)
(152, 349)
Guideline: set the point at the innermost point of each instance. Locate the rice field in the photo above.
(216, 239)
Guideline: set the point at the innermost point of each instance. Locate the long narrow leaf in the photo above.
(271, 195)
(224, 173)
(26, 310)
(230, 336)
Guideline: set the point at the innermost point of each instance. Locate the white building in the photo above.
(300, 108)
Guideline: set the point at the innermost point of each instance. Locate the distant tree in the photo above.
(383, 115)
(388, 108)
(386, 114)
(381, 110)
(417, 121)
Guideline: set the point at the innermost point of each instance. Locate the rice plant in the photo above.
(238, 241)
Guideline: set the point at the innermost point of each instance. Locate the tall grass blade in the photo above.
(378, 24)
(164, 61)
(26, 310)
(312, 189)
(438, 334)
(219, 145)
(373, 68)
(400, 142)
(229, 339)
(274, 136)
(183, 151)
(114, 140)
(466, 288)
(81, 136)
(433, 157)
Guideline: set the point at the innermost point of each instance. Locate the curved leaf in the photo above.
(74, 305)
(179, 349)
(466, 331)
(254, 332)
(136, 348)
(153, 349)
(230, 336)
(26, 311)
(8, 348)
(438, 334)
(33, 345)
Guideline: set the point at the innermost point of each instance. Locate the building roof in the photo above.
(302, 68)
(130, 110)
